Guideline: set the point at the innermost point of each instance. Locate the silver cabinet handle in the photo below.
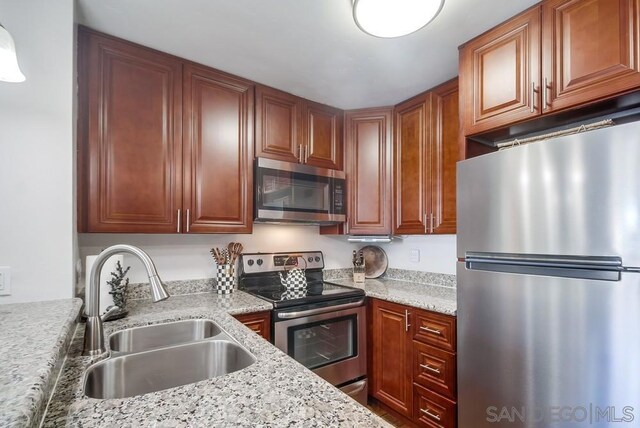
(300, 153)
(431, 369)
(432, 218)
(430, 330)
(545, 98)
(424, 220)
(406, 320)
(178, 227)
(533, 97)
(431, 415)
(188, 220)
(306, 154)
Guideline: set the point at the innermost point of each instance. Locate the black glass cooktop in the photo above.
(317, 291)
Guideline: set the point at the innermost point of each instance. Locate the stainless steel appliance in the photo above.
(289, 192)
(323, 326)
(549, 283)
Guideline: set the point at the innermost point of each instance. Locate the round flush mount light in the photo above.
(9, 69)
(394, 18)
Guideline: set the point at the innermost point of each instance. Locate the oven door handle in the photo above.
(298, 314)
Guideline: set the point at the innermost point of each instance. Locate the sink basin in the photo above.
(155, 370)
(161, 335)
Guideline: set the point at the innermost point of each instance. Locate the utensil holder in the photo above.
(225, 279)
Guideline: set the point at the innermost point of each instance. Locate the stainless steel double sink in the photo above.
(156, 357)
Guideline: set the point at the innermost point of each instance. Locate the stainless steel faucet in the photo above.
(93, 334)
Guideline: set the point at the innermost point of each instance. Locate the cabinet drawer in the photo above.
(435, 329)
(432, 410)
(435, 369)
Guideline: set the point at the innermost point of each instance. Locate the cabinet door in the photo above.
(392, 371)
(590, 50)
(132, 146)
(444, 152)
(500, 74)
(260, 322)
(412, 131)
(323, 136)
(278, 125)
(368, 147)
(218, 152)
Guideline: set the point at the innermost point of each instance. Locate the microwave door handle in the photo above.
(259, 197)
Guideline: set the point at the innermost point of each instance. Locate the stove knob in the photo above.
(250, 262)
(259, 261)
(317, 259)
(310, 259)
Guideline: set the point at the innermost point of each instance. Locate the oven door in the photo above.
(332, 344)
(298, 193)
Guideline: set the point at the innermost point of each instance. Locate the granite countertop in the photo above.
(274, 391)
(35, 338)
(435, 298)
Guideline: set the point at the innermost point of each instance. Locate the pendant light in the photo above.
(394, 18)
(9, 69)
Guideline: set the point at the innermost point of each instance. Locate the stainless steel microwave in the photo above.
(289, 192)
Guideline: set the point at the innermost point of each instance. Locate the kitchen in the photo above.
(520, 72)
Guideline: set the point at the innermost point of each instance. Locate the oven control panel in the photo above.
(276, 262)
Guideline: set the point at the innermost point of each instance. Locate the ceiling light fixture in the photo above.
(394, 18)
(9, 69)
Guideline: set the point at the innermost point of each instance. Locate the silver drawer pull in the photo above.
(431, 369)
(430, 330)
(431, 415)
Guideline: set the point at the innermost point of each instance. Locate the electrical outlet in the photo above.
(5, 280)
(414, 256)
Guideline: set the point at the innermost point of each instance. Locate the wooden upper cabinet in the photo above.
(560, 55)
(322, 136)
(218, 152)
(444, 154)
(368, 142)
(392, 356)
(426, 149)
(412, 130)
(278, 125)
(130, 138)
(500, 74)
(590, 50)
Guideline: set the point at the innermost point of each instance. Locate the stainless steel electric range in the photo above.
(322, 326)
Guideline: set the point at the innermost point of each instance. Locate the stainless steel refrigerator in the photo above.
(549, 283)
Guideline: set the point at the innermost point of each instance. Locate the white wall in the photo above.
(36, 152)
(187, 256)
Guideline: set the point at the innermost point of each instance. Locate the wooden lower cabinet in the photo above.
(391, 361)
(411, 373)
(260, 322)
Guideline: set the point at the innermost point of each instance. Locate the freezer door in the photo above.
(576, 195)
(540, 351)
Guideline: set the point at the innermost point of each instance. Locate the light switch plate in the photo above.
(5, 281)
(414, 256)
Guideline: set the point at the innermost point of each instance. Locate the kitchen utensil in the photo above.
(219, 257)
(375, 261)
(235, 249)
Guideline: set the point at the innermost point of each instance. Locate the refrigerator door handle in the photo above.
(582, 267)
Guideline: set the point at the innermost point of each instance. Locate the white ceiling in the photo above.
(311, 48)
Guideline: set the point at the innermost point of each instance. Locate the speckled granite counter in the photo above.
(431, 297)
(274, 391)
(34, 339)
